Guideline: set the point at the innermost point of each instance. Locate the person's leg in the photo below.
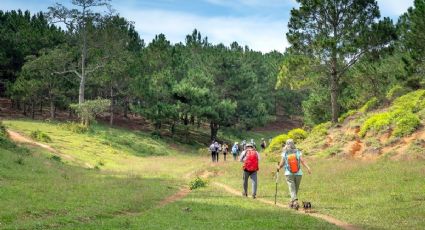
(245, 183)
(254, 184)
(290, 180)
(225, 157)
(212, 156)
(297, 184)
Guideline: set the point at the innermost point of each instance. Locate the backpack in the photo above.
(234, 149)
(212, 148)
(292, 160)
(251, 161)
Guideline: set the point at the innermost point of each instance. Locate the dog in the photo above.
(307, 206)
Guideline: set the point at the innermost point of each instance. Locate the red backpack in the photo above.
(251, 161)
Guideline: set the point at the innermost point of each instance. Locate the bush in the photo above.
(345, 115)
(406, 124)
(371, 104)
(88, 110)
(40, 136)
(396, 91)
(414, 101)
(3, 131)
(321, 129)
(277, 142)
(297, 135)
(75, 127)
(197, 183)
(376, 122)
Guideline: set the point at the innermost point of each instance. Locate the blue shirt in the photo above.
(287, 172)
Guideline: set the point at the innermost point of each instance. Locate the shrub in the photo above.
(88, 110)
(406, 124)
(56, 158)
(40, 136)
(347, 114)
(277, 142)
(297, 135)
(396, 91)
(75, 127)
(197, 183)
(3, 131)
(376, 122)
(371, 104)
(414, 101)
(321, 129)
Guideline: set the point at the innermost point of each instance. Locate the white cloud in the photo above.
(394, 8)
(262, 34)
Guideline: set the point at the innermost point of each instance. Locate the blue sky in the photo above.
(260, 24)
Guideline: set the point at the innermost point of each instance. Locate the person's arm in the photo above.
(282, 162)
(241, 158)
(305, 165)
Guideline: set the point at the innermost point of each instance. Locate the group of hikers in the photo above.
(291, 161)
(217, 148)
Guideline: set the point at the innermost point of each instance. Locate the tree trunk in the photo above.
(52, 109)
(126, 107)
(41, 108)
(111, 111)
(214, 130)
(83, 60)
(334, 97)
(32, 110)
(186, 119)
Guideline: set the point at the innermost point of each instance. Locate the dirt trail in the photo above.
(17, 137)
(329, 219)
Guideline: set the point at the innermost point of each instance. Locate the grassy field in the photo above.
(112, 182)
(372, 195)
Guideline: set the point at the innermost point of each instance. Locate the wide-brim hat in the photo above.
(249, 145)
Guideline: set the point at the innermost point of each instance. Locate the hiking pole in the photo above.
(277, 178)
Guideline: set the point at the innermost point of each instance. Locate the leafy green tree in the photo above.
(338, 33)
(80, 26)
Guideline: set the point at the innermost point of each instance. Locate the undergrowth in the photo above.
(40, 136)
(402, 116)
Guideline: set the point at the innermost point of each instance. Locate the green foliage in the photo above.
(40, 136)
(297, 135)
(406, 124)
(277, 143)
(88, 110)
(347, 114)
(75, 127)
(321, 130)
(370, 105)
(197, 183)
(395, 92)
(56, 158)
(402, 115)
(3, 130)
(317, 107)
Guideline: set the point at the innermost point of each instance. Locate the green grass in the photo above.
(375, 195)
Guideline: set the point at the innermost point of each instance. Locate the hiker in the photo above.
(235, 150)
(250, 158)
(252, 142)
(225, 150)
(243, 144)
(217, 150)
(213, 151)
(263, 144)
(291, 159)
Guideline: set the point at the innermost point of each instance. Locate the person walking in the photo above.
(250, 158)
(291, 159)
(263, 144)
(235, 150)
(225, 150)
(213, 151)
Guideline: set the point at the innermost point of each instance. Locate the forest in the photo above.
(79, 58)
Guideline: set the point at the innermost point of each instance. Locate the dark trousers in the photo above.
(214, 156)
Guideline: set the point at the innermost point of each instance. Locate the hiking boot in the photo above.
(244, 194)
(254, 196)
(295, 205)
(290, 204)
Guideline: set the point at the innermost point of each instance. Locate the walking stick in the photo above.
(277, 178)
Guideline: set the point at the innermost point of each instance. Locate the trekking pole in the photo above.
(277, 178)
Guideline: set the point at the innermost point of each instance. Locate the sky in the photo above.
(260, 24)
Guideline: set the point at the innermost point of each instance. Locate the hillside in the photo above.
(393, 130)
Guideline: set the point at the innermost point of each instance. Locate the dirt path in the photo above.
(19, 138)
(329, 219)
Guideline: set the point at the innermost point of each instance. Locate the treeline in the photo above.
(345, 55)
(100, 55)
